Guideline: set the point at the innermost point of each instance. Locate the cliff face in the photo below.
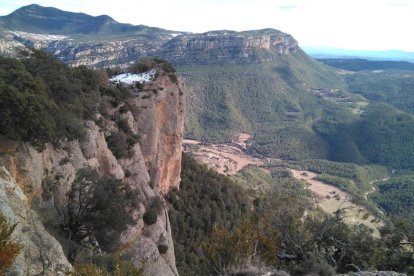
(80, 39)
(206, 48)
(39, 181)
(229, 47)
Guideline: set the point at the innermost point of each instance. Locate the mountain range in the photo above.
(94, 179)
(258, 82)
(392, 55)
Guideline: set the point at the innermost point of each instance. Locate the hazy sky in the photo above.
(349, 24)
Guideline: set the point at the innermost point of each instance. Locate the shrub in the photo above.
(8, 248)
(64, 161)
(117, 144)
(123, 125)
(99, 204)
(150, 217)
(162, 248)
(89, 270)
(123, 109)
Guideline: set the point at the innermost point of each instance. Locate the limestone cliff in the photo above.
(35, 183)
(206, 48)
(80, 39)
(229, 47)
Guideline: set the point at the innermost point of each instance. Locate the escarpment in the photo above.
(72, 38)
(135, 138)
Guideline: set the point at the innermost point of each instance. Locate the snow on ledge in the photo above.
(129, 78)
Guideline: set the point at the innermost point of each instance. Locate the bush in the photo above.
(8, 249)
(43, 100)
(99, 204)
(162, 248)
(150, 217)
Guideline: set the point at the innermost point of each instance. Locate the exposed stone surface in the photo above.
(229, 47)
(159, 117)
(42, 179)
(74, 39)
(206, 48)
(42, 254)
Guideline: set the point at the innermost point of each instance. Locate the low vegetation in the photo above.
(205, 199)
(273, 232)
(97, 207)
(43, 100)
(9, 249)
(297, 109)
(352, 177)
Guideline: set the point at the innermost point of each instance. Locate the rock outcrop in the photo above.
(42, 252)
(34, 185)
(109, 43)
(229, 47)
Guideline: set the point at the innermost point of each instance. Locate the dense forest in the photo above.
(271, 233)
(396, 196)
(270, 100)
(357, 64)
(43, 100)
(390, 86)
(297, 109)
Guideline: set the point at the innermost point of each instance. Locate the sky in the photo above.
(374, 25)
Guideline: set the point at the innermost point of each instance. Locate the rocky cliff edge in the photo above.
(34, 185)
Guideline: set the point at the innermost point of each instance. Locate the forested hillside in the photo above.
(43, 100)
(217, 229)
(274, 101)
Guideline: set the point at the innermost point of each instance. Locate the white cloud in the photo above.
(354, 24)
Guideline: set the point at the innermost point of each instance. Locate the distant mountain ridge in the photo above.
(392, 55)
(47, 20)
(101, 41)
(258, 82)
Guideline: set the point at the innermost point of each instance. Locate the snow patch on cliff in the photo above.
(129, 78)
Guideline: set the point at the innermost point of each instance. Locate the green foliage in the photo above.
(89, 270)
(155, 207)
(396, 196)
(25, 108)
(74, 90)
(258, 182)
(147, 64)
(150, 217)
(118, 92)
(384, 136)
(120, 268)
(42, 100)
(298, 109)
(271, 100)
(356, 64)
(121, 142)
(337, 172)
(398, 240)
(99, 204)
(205, 199)
(340, 182)
(275, 233)
(227, 251)
(162, 248)
(8, 248)
(391, 87)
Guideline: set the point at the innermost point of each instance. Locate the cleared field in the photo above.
(330, 199)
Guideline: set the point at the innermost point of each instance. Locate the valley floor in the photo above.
(330, 199)
(229, 159)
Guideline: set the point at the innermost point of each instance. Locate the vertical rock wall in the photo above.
(42, 179)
